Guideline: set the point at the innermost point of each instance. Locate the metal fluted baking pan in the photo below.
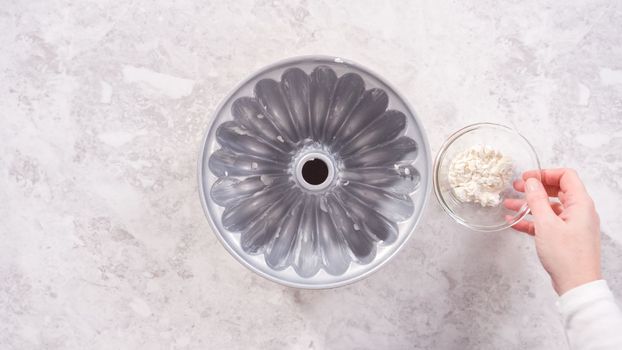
(314, 172)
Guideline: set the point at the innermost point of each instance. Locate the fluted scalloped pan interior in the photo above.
(355, 213)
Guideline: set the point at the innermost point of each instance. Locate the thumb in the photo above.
(538, 201)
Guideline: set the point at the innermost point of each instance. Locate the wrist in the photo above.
(565, 285)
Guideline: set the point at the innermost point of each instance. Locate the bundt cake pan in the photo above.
(314, 172)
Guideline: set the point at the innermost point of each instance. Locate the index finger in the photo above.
(566, 179)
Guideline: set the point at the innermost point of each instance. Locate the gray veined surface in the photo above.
(314, 172)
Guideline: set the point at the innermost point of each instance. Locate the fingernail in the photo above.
(532, 184)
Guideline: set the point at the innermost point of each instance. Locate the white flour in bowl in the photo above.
(479, 175)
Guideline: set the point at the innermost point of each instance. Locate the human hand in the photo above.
(567, 234)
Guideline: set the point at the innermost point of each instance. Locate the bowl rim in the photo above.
(436, 181)
(212, 122)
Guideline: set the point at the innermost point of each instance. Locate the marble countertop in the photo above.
(103, 242)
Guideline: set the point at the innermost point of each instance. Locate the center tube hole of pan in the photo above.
(315, 171)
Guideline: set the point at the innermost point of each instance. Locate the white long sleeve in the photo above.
(592, 319)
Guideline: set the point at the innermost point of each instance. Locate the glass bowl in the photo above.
(511, 144)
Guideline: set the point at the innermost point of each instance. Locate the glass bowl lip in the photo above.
(440, 156)
(318, 58)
